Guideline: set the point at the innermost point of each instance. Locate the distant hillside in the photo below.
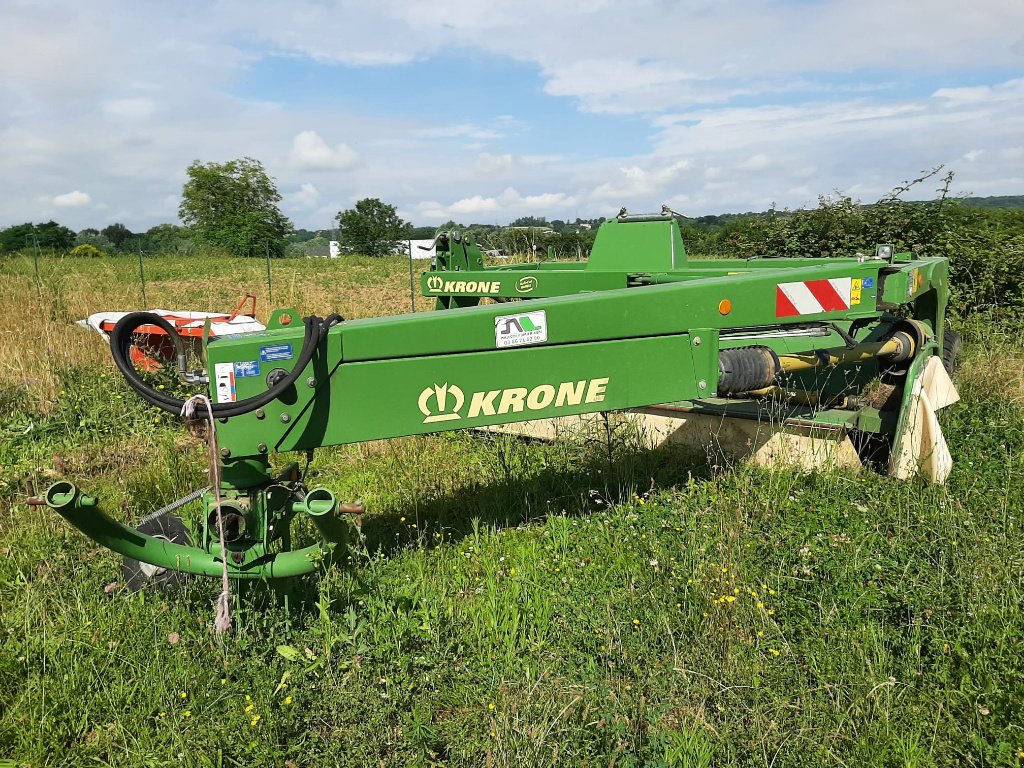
(999, 201)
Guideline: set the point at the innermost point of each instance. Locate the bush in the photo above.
(985, 247)
(86, 250)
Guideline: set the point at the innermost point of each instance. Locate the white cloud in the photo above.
(307, 196)
(1011, 90)
(460, 131)
(756, 162)
(494, 165)
(509, 204)
(311, 153)
(74, 199)
(130, 109)
(636, 182)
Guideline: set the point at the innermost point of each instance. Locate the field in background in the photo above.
(509, 603)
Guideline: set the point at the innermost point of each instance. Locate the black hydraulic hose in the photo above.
(120, 348)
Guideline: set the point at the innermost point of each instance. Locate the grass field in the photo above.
(496, 612)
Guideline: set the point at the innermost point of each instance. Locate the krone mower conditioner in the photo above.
(835, 361)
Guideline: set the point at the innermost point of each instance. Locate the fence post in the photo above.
(412, 290)
(39, 279)
(270, 280)
(142, 274)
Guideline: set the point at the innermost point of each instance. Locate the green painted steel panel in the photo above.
(638, 246)
(389, 398)
(494, 283)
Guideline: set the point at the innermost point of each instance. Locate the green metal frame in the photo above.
(639, 324)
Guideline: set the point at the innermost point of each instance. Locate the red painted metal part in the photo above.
(153, 349)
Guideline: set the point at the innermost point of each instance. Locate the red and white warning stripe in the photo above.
(811, 297)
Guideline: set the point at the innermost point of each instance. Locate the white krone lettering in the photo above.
(482, 403)
(449, 287)
(540, 397)
(512, 400)
(495, 288)
(595, 392)
(570, 393)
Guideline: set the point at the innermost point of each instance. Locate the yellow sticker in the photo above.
(855, 285)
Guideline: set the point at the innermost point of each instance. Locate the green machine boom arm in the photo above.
(638, 324)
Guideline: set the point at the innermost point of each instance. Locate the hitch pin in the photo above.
(356, 508)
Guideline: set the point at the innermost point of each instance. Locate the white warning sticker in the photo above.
(521, 330)
(225, 376)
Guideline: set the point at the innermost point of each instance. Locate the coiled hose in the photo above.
(121, 339)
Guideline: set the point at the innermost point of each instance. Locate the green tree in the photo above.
(49, 235)
(233, 205)
(118, 234)
(372, 228)
(168, 238)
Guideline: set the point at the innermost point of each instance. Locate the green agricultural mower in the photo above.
(837, 361)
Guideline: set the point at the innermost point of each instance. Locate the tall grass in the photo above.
(508, 603)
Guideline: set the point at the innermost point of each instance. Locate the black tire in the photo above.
(951, 350)
(138, 575)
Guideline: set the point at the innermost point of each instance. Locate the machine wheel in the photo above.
(951, 350)
(138, 575)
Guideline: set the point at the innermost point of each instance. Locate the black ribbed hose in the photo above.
(121, 339)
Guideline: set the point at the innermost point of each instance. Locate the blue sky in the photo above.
(463, 84)
(486, 111)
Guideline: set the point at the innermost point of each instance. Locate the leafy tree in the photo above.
(91, 236)
(49, 235)
(168, 238)
(233, 205)
(422, 233)
(372, 228)
(530, 221)
(118, 234)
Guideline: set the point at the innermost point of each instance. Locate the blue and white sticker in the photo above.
(273, 352)
(244, 368)
(224, 375)
(869, 282)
